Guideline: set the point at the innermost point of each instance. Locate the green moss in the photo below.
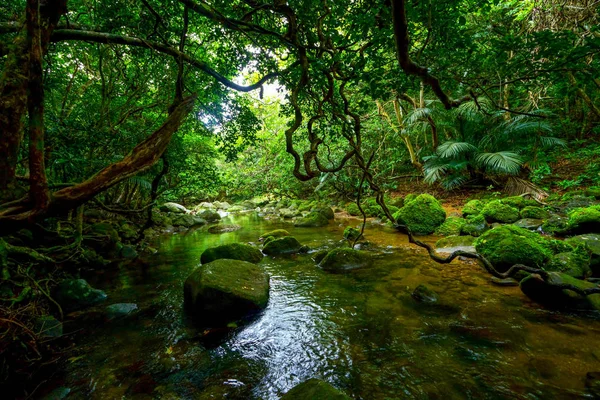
(575, 263)
(422, 215)
(584, 220)
(283, 245)
(312, 220)
(305, 205)
(344, 259)
(593, 191)
(325, 210)
(548, 294)
(473, 207)
(475, 225)
(409, 197)
(518, 202)
(451, 226)
(508, 245)
(233, 251)
(352, 209)
(496, 211)
(556, 225)
(534, 212)
(351, 233)
(396, 202)
(277, 233)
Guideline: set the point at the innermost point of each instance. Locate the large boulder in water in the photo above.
(174, 208)
(422, 215)
(75, 294)
(547, 292)
(313, 220)
(584, 220)
(187, 220)
(282, 245)
(345, 259)
(314, 389)
(277, 233)
(233, 251)
(575, 263)
(591, 242)
(226, 290)
(209, 215)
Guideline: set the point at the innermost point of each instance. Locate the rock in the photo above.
(319, 255)
(75, 294)
(223, 228)
(209, 215)
(226, 290)
(174, 208)
(529, 223)
(233, 251)
(312, 220)
(161, 219)
(120, 310)
(127, 232)
(353, 209)
(397, 202)
(451, 244)
(288, 213)
(508, 245)
(592, 243)
(345, 259)
(423, 294)
(222, 205)
(592, 383)
(110, 237)
(534, 212)
(556, 225)
(351, 233)
(325, 210)
(475, 225)
(473, 207)
(248, 205)
(314, 389)
(497, 211)
(584, 220)
(48, 326)
(451, 226)
(235, 209)
(519, 202)
(277, 233)
(422, 215)
(282, 245)
(547, 294)
(577, 201)
(128, 252)
(187, 220)
(207, 206)
(575, 263)
(504, 282)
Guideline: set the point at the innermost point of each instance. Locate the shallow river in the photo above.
(361, 331)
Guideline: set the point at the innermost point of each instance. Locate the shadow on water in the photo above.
(362, 331)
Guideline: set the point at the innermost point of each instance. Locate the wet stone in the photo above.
(120, 310)
(504, 282)
(423, 294)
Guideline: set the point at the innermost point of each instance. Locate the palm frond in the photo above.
(454, 181)
(500, 162)
(516, 187)
(551, 141)
(141, 181)
(418, 114)
(452, 149)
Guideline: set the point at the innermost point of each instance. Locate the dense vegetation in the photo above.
(121, 106)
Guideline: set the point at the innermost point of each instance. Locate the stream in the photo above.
(361, 331)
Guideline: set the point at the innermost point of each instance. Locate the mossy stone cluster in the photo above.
(345, 259)
(422, 215)
(497, 211)
(351, 233)
(534, 212)
(282, 245)
(473, 207)
(451, 226)
(575, 263)
(314, 219)
(475, 225)
(233, 251)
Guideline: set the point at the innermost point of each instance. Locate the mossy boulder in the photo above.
(518, 202)
(451, 226)
(496, 211)
(508, 245)
(475, 225)
(556, 225)
(546, 292)
(187, 220)
(277, 233)
(75, 294)
(232, 251)
(325, 210)
(161, 219)
(345, 259)
(173, 208)
(422, 215)
(318, 256)
(452, 243)
(529, 223)
(396, 202)
(351, 233)
(584, 220)
(410, 197)
(312, 220)
(575, 263)
(473, 207)
(282, 245)
(352, 209)
(314, 389)
(534, 212)
(226, 290)
(591, 242)
(209, 215)
(288, 213)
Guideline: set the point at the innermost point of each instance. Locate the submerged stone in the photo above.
(547, 293)
(223, 228)
(120, 310)
(344, 259)
(314, 389)
(75, 294)
(423, 294)
(226, 290)
(282, 245)
(232, 251)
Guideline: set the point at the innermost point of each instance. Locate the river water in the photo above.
(361, 331)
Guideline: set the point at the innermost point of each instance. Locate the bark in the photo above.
(13, 90)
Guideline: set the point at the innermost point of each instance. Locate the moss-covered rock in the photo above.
(312, 220)
(423, 294)
(306, 206)
(352, 209)
(345, 259)
(325, 210)
(209, 215)
(475, 225)
(188, 220)
(75, 294)
(277, 233)
(161, 220)
(232, 251)
(451, 226)
(584, 220)
(224, 228)
(314, 389)
(591, 242)
(453, 243)
(473, 207)
(282, 245)
(396, 202)
(556, 225)
(226, 290)
(173, 208)
(288, 213)
(534, 212)
(351, 233)
(575, 263)
(409, 197)
(422, 215)
(496, 211)
(508, 245)
(548, 294)
(529, 223)
(518, 202)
